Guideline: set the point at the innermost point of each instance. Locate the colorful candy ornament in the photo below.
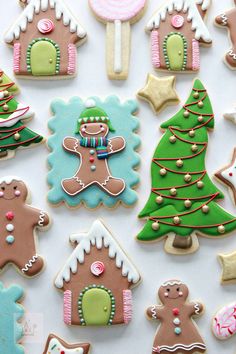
(183, 200)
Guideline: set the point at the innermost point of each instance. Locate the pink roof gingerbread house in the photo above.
(177, 30)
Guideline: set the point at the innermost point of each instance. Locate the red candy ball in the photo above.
(62, 352)
(10, 215)
(176, 312)
(91, 159)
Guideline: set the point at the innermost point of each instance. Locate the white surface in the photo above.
(200, 271)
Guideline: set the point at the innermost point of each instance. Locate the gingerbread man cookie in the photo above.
(95, 147)
(228, 20)
(177, 332)
(18, 222)
(94, 159)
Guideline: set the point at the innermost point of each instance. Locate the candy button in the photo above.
(91, 159)
(93, 168)
(62, 352)
(10, 227)
(176, 321)
(92, 152)
(175, 312)
(10, 215)
(177, 21)
(10, 239)
(178, 330)
(105, 309)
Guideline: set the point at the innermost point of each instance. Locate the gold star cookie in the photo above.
(159, 92)
(228, 262)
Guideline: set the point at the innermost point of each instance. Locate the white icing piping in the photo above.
(118, 47)
(29, 264)
(99, 237)
(176, 347)
(153, 311)
(9, 179)
(34, 7)
(171, 283)
(41, 218)
(224, 19)
(187, 6)
(197, 309)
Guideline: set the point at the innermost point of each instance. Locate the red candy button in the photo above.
(91, 159)
(176, 312)
(10, 215)
(62, 352)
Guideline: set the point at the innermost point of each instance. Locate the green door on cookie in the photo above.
(43, 58)
(174, 50)
(96, 307)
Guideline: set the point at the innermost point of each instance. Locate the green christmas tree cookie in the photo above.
(183, 200)
(13, 132)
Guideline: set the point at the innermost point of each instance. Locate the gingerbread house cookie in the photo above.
(177, 30)
(97, 280)
(44, 39)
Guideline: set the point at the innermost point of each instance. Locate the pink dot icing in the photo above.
(17, 193)
(45, 26)
(1, 194)
(177, 21)
(97, 268)
(111, 10)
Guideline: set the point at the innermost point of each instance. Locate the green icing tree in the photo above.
(183, 199)
(13, 133)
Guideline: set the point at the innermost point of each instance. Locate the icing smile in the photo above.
(93, 133)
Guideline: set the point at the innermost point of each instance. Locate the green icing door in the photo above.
(43, 58)
(175, 52)
(96, 307)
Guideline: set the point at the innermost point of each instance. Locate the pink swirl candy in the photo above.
(177, 21)
(97, 268)
(45, 26)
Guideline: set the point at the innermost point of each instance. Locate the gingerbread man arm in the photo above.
(72, 144)
(222, 20)
(154, 312)
(39, 218)
(195, 308)
(115, 145)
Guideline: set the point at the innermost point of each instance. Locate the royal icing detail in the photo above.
(92, 137)
(11, 313)
(97, 268)
(14, 134)
(224, 322)
(48, 46)
(189, 204)
(19, 220)
(177, 50)
(118, 16)
(168, 337)
(56, 345)
(97, 301)
(227, 20)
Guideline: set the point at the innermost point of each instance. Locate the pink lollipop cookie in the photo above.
(118, 15)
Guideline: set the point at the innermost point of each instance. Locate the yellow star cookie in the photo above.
(228, 262)
(159, 92)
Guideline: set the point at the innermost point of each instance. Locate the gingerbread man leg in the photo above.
(73, 186)
(32, 266)
(113, 186)
(231, 58)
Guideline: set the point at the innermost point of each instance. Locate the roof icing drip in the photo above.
(187, 6)
(100, 237)
(34, 7)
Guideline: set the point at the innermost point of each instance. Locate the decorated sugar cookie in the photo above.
(183, 203)
(228, 263)
(97, 280)
(224, 322)
(44, 38)
(11, 313)
(227, 176)
(56, 345)
(177, 30)
(13, 115)
(177, 332)
(93, 152)
(19, 222)
(228, 20)
(118, 17)
(159, 92)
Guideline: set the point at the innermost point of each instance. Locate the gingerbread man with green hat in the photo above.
(93, 149)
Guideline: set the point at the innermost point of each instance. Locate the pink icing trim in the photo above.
(224, 325)
(67, 306)
(72, 54)
(127, 303)
(111, 10)
(195, 55)
(16, 58)
(177, 21)
(155, 49)
(45, 26)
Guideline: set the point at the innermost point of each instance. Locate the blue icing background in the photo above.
(64, 165)
(10, 313)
